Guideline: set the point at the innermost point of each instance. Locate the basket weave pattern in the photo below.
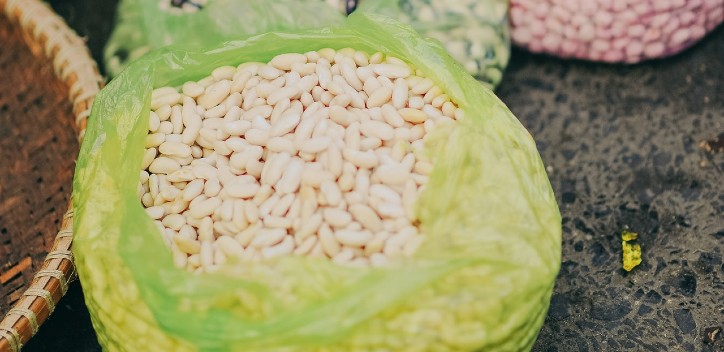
(50, 40)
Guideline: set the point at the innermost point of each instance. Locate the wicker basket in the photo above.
(43, 62)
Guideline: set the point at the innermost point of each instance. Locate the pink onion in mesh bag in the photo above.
(612, 30)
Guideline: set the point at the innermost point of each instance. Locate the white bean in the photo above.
(336, 217)
(331, 192)
(267, 237)
(377, 129)
(281, 144)
(315, 145)
(215, 94)
(163, 165)
(230, 246)
(379, 97)
(284, 248)
(412, 115)
(204, 208)
(242, 189)
(175, 149)
(285, 61)
(155, 212)
(353, 238)
(291, 178)
(364, 160)
(391, 70)
(286, 124)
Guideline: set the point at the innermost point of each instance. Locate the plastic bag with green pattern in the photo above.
(144, 25)
(474, 32)
(481, 281)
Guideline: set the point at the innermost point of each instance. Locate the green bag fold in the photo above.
(481, 281)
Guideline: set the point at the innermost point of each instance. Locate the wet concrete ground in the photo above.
(625, 146)
(632, 146)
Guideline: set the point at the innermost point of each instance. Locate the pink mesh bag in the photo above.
(612, 30)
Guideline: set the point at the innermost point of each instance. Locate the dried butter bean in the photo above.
(377, 129)
(175, 149)
(285, 61)
(155, 212)
(186, 245)
(331, 192)
(412, 115)
(230, 246)
(337, 217)
(353, 238)
(204, 208)
(164, 165)
(284, 248)
(392, 70)
(343, 257)
(223, 72)
(214, 94)
(242, 189)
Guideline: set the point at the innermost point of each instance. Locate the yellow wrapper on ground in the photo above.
(631, 252)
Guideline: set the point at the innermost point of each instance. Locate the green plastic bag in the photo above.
(474, 32)
(481, 281)
(144, 25)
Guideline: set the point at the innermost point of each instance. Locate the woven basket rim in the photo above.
(53, 41)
